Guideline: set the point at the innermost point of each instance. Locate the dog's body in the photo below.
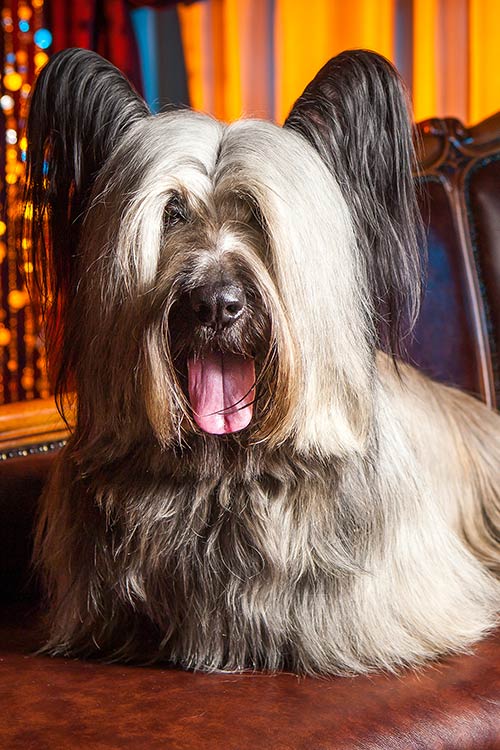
(249, 483)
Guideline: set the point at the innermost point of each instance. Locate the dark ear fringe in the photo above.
(80, 107)
(356, 113)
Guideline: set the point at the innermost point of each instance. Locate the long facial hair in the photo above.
(132, 259)
(356, 113)
(266, 546)
(74, 185)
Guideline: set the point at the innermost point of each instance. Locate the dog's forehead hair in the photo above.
(164, 153)
(191, 136)
(201, 155)
(221, 171)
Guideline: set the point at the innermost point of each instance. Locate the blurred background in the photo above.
(240, 57)
(230, 58)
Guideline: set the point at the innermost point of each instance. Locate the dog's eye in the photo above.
(175, 212)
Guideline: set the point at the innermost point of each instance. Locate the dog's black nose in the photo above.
(218, 305)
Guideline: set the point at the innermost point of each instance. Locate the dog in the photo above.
(254, 479)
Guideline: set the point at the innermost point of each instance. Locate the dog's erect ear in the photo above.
(356, 114)
(80, 107)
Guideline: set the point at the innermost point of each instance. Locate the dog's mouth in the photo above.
(221, 389)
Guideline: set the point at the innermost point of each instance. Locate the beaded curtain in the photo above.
(25, 46)
(31, 31)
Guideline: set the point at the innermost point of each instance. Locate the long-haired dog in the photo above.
(250, 482)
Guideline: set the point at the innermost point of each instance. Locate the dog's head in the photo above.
(207, 279)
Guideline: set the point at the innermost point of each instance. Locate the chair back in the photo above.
(457, 337)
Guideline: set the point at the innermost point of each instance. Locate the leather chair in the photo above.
(457, 338)
(453, 704)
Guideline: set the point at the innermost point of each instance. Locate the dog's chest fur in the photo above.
(236, 550)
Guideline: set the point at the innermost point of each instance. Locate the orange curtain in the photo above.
(254, 57)
(456, 59)
(307, 34)
(234, 47)
(227, 52)
(484, 52)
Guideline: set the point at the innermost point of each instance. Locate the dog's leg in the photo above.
(75, 553)
(476, 435)
(457, 440)
(441, 520)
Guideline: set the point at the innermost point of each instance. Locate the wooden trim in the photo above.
(447, 151)
(30, 423)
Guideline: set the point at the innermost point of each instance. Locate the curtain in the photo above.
(254, 57)
(100, 25)
(456, 59)
(31, 31)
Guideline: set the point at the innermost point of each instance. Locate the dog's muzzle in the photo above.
(221, 385)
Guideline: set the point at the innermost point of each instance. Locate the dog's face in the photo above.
(213, 282)
(223, 275)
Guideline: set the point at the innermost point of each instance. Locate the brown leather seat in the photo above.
(450, 705)
(60, 704)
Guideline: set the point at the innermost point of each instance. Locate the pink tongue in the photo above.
(221, 392)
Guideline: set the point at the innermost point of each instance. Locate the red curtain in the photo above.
(100, 25)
